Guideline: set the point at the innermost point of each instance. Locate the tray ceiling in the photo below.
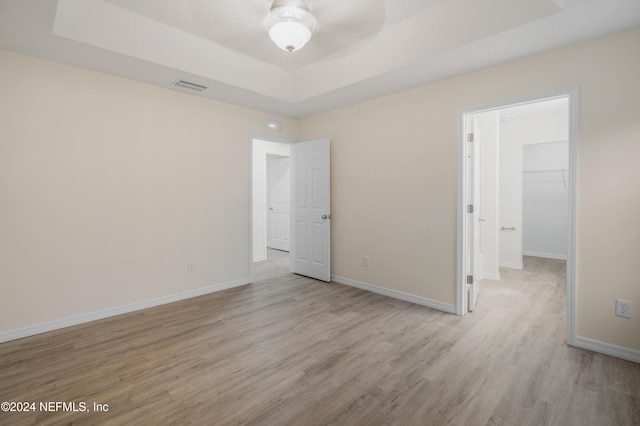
(363, 49)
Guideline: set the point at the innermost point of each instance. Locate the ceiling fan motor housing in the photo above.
(290, 24)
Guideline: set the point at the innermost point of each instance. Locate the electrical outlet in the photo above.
(365, 261)
(191, 266)
(623, 308)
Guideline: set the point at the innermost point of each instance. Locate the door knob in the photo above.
(271, 208)
(326, 216)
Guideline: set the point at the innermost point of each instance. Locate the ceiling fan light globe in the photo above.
(289, 35)
(290, 24)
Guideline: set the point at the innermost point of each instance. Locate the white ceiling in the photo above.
(535, 110)
(363, 48)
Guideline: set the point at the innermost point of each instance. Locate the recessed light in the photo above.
(274, 125)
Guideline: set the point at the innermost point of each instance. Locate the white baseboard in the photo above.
(512, 265)
(259, 259)
(396, 294)
(545, 255)
(608, 349)
(31, 330)
(491, 277)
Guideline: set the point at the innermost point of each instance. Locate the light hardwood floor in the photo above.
(288, 350)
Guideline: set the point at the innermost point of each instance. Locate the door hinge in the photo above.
(469, 137)
(469, 279)
(469, 208)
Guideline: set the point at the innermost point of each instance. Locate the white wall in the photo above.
(528, 126)
(109, 187)
(546, 200)
(394, 176)
(261, 149)
(488, 124)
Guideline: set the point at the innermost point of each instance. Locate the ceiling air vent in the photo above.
(191, 86)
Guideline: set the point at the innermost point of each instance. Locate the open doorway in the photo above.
(270, 201)
(296, 216)
(517, 195)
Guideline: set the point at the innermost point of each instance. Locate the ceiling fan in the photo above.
(248, 25)
(290, 24)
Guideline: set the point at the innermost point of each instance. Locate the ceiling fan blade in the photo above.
(343, 23)
(173, 13)
(213, 19)
(239, 24)
(227, 19)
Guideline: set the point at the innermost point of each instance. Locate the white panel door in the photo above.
(311, 209)
(278, 203)
(473, 218)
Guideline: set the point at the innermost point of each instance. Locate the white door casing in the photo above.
(310, 253)
(278, 202)
(462, 239)
(473, 214)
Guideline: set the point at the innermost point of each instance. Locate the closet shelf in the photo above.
(563, 171)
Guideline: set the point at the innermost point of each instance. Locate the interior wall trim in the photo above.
(607, 349)
(446, 307)
(512, 265)
(491, 277)
(32, 330)
(544, 255)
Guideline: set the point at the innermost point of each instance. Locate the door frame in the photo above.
(462, 229)
(252, 138)
(473, 197)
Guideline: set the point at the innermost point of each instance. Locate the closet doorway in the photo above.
(517, 196)
(533, 150)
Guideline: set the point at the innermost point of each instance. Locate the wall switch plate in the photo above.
(365, 261)
(623, 308)
(191, 266)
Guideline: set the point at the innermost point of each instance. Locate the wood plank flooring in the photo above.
(288, 350)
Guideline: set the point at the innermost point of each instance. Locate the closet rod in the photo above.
(546, 171)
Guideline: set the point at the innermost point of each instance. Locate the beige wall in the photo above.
(109, 187)
(394, 178)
